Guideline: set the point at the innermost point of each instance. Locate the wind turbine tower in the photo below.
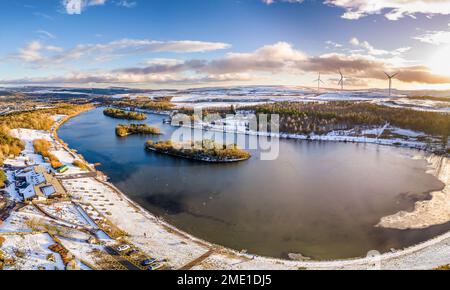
(319, 80)
(390, 77)
(341, 81)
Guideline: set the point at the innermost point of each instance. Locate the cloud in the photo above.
(34, 51)
(268, 2)
(333, 44)
(435, 37)
(45, 56)
(269, 58)
(392, 9)
(82, 78)
(126, 3)
(275, 59)
(284, 58)
(45, 34)
(78, 6)
(360, 66)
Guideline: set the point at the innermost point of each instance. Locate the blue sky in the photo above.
(187, 43)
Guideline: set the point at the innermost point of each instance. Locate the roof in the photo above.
(38, 178)
(28, 192)
(48, 190)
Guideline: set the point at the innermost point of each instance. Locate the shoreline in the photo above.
(275, 263)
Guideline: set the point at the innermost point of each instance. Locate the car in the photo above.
(156, 266)
(132, 252)
(148, 262)
(123, 248)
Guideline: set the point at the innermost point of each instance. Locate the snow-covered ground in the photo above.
(31, 252)
(419, 105)
(241, 124)
(28, 156)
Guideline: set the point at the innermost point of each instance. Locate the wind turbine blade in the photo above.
(387, 75)
(394, 75)
(321, 81)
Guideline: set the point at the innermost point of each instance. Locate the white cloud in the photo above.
(78, 6)
(126, 3)
(31, 52)
(268, 2)
(333, 44)
(435, 37)
(371, 50)
(99, 77)
(45, 34)
(36, 53)
(392, 9)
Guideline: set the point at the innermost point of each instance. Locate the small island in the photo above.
(206, 151)
(140, 129)
(121, 114)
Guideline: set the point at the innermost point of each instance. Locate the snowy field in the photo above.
(31, 252)
(28, 156)
(143, 229)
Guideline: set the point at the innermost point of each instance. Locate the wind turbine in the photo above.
(341, 81)
(318, 83)
(390, 77)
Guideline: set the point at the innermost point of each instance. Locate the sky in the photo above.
(205, 43)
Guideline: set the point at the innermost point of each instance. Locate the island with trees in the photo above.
(206, 151)
(136, 129)
(121, 114)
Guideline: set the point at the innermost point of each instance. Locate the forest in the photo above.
(121, 114)
(155, 104)
(142, 129)
(321, 118)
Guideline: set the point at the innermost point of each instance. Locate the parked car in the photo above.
(123, 248)
(132, 252)
(156, 266)
(148, 262)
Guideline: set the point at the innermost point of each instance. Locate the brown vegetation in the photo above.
(42, 147)
(3, 178)
(80, 165)
(156, 104)
(121, 114)
(125, 130)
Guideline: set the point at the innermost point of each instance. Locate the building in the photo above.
(37, 183)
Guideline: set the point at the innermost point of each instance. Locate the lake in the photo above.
(320, 199)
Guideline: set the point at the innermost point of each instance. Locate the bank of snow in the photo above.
(430, 212)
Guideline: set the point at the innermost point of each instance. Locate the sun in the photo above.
(439, 62)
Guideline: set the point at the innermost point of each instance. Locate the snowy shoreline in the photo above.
(435, 211)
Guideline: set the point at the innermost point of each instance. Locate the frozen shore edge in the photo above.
(435, 211)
